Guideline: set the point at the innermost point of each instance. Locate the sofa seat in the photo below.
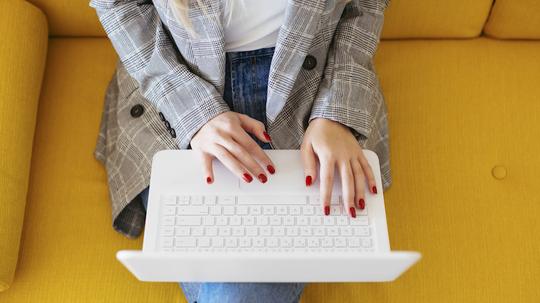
(464, 129)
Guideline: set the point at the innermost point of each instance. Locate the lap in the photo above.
(242, 292)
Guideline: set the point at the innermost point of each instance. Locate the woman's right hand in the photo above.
(226, 138)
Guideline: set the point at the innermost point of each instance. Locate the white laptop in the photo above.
(233, 231)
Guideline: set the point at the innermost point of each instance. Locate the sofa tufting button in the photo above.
(499, 172)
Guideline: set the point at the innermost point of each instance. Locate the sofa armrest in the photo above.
(23, 50)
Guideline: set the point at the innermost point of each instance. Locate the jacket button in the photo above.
(172, 132)
(167, 124)
(161, 116)
(310, 62)
(137, 110)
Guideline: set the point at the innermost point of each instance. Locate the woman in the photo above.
(229, 78)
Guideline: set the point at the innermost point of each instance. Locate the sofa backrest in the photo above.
(403, 19)
(435, 18)
(514, 19)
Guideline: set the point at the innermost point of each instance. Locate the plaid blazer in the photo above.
(169, 82)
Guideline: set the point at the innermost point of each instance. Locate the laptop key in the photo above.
(192, 210)
(203, 242)
(184, 242)
(196, 200)
(181, 231)
(169, 210)
(188, 220)
(167, 230)
(167, 241)
(210, 200)
(169, 199)
(226, 200)
(168, 220)
(217, 241)
(231, 242)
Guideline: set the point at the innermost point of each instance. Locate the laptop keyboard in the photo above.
(243, 223)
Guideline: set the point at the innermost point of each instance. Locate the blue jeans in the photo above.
(246, 82)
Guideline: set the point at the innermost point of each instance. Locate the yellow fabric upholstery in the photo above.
(69, 246)
(514, 19)
(404, 18)
(22, 61)
(435, 18)
(463, 126)
(461, 113)
(70, 17)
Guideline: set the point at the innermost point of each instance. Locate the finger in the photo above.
(368, 172)
(244, 157)
(309, 160)
(347, 187)
(327, 180)
(359, 185)
(254, 127)
(207, 167)
(231, 162)
(255, 150)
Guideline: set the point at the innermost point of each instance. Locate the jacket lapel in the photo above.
(294, 40)
(293, 43)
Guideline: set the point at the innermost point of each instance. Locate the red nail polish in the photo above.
(248, 177)
(374, 189)
(353, 212)
(267, 136)
(308, 180)
(326, 210)
(262, 178)
(208, 180)
(271, 169)
(361, 204)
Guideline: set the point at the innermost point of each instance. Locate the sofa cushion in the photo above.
(22, 61)
(70, 17)
(514, 19)
(463, 120)
(404, 18)
(435, 18)
(68, 243)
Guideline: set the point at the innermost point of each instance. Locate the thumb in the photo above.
(254, 127)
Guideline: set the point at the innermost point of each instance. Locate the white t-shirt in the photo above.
(252, 24)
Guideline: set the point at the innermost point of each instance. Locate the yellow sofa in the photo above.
(462, 85)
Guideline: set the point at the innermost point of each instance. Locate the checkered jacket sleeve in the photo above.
(349, 92)
(150, 56)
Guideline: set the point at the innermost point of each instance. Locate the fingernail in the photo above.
(248, 177)
(361, 204)
(374, 189)
(271, 169)
(326, 210)
(262, 178)
(208, 180)
(267, 136)
(308, 180)
(353, 212)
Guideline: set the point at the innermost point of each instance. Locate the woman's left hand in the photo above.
(333, 145)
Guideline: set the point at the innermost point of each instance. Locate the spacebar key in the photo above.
(273, 199)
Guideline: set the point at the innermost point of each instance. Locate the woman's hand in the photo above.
(226, 138)
(333, 145)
